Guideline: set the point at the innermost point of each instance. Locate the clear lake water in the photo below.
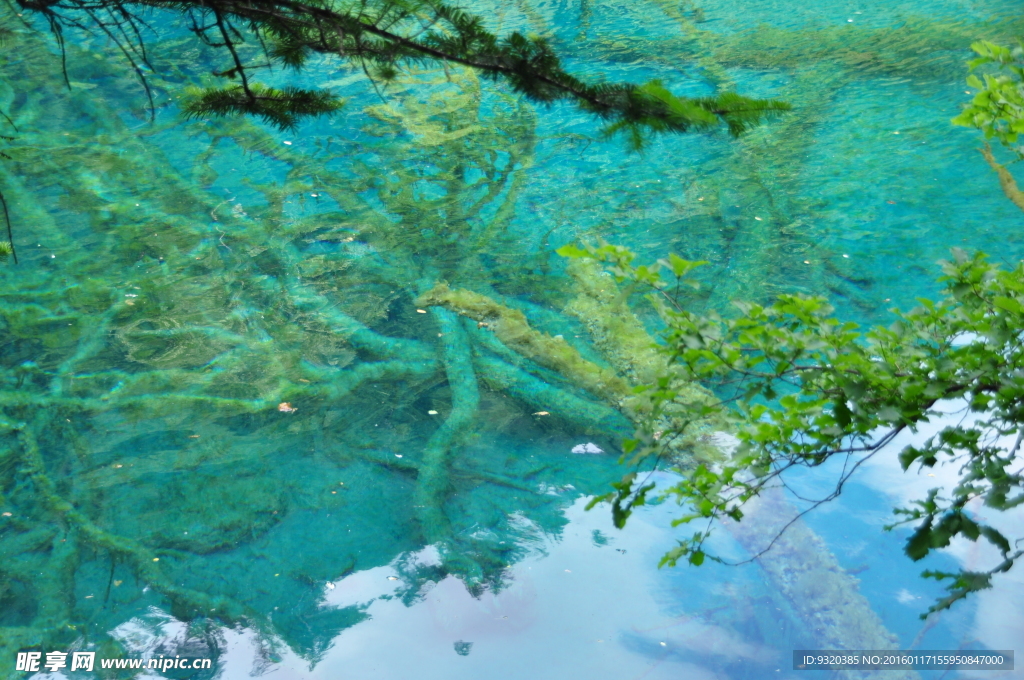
(220, 402)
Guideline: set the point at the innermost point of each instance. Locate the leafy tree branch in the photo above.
(998, 107)
(804, 387)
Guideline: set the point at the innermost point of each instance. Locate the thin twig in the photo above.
(10, 235)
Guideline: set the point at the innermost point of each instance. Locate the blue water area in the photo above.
(232, 427)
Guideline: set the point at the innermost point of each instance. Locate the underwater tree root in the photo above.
(373, 371)
(511, 327)
(184, 602)
(433, 483)
(357, 335)
(590, 417)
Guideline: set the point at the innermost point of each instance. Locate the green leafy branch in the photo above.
(804, 387)
(383, 38)
(998, 107)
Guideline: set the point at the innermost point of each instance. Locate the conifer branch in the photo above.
(387, 36)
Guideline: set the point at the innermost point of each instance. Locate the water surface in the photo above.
(211, 349)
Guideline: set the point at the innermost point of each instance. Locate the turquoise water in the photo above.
(212, 351)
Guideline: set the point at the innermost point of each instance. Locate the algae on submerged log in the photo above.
(626, 344)
(512, 328)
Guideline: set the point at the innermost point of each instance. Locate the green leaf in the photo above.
(920, 543)
(996, 539)
(1009, 304)
(573, 251)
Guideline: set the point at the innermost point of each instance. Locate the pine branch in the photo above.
(280, 108)
(385, 37)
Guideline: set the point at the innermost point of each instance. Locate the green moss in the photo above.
(511, 327)
(613, 327)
